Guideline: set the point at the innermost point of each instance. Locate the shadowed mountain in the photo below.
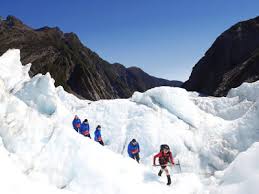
(231, 60)
(74, 66)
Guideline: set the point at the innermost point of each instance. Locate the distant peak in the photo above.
(12, 20)
(47, 28)
(134, 68)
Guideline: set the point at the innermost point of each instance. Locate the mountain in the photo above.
(231, 60)
(71, 64)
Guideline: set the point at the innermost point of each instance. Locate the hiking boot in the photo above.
(168, 180)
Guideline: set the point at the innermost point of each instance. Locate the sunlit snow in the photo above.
(213, 138)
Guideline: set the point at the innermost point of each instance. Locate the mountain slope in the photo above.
(231, 60)
(71, 64)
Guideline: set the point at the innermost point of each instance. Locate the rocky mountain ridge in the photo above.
(74, 66)
(231, 60)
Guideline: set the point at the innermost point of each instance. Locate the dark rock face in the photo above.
(71, 64)
(232, 59)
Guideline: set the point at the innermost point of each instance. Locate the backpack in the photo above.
(164, 146)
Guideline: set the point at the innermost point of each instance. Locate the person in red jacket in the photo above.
(164, 157)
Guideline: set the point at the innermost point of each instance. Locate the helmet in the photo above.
(85, 120)
(133, 142)
(98, 126)
(164, 147)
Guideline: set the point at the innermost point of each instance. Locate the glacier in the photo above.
(215, 139)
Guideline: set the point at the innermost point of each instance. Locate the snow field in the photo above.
(206, 134)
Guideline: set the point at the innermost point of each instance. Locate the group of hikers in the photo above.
(165, 157)
(84, 129)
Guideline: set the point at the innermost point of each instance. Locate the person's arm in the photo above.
(154, 159)
(74, 124)
(138, 148)
(77, 123)
(95, 135)
(81, 128)
(134, 149)
(129, 149)
(171, 158)
(99, 136)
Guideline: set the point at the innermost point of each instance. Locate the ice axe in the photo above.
(179, 164)
(162, 165)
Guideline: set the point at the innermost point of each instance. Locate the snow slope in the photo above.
(242, 175)
(206, 134)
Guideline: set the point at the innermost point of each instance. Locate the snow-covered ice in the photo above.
(242, 175)
(213, 138)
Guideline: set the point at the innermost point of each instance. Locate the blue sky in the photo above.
(165, 38)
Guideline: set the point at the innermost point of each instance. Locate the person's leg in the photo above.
(161, 171)
(168, 176)
(166, 171)
(134, 157)
(137, 157)
(101, 142)
(168, 180)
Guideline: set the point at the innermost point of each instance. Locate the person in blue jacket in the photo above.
(97, 135)
(85, 129)
(133, 150)
(76, 123)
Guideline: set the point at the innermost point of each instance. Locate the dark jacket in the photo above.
(85, 128)
(76, 124)
(97, 135)
(133, 149)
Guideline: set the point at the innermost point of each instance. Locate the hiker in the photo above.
(76, 123)
(164, 156)
(97, 135)
(85, 129)
(133, 150)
